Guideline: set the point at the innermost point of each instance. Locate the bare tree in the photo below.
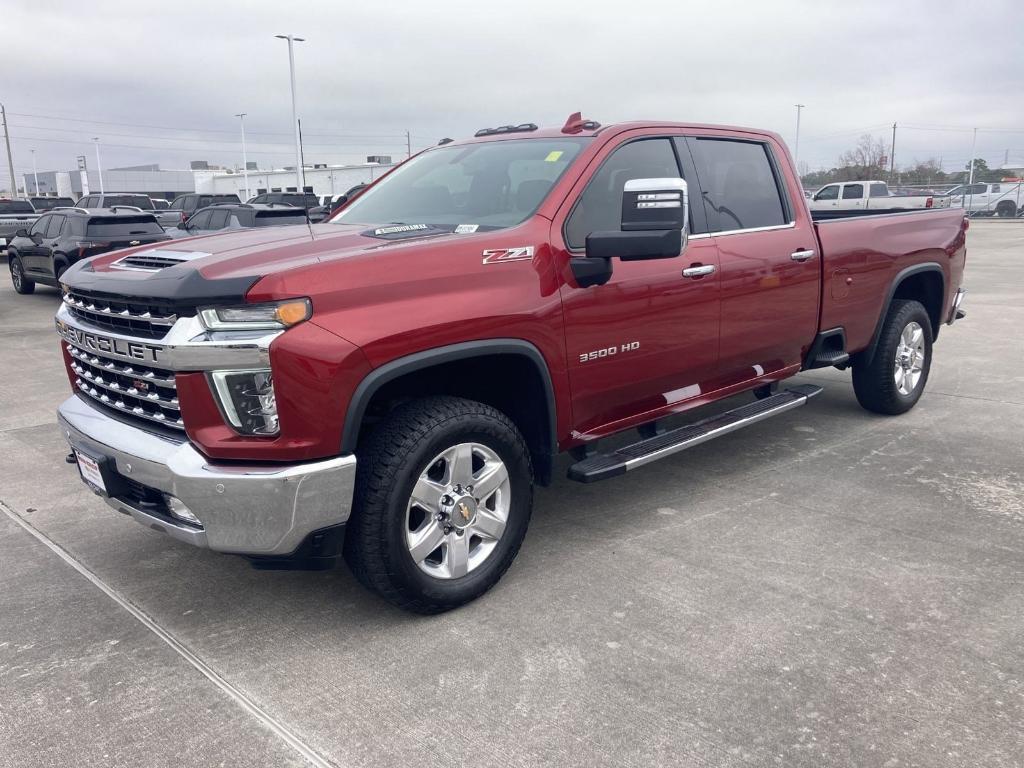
(864, 161)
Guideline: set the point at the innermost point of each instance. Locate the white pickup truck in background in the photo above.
(848, 197)
(14, 215)
(1001, 198)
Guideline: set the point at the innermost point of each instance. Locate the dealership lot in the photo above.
(829, 587)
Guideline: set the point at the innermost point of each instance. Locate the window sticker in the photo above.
(466, 229)
(553, 156)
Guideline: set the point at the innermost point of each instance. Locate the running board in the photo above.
(604, 465)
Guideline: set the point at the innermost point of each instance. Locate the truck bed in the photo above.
(862, 255)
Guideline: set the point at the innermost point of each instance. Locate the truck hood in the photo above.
(225, 265)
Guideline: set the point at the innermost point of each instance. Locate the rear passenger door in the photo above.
(853, 197)
(767, 253)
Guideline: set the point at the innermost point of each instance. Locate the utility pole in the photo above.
(408, 146)
(245, 160)
(892, 155)
(10, 159)
(302, 159)
(796, 147)
(974, 146)
(300, 175)
(99, 168)
(35, 173)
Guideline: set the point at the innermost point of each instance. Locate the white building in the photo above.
(324, 180)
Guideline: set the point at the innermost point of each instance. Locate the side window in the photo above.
(831, 192)
(39, 228)
(976, 189)
(995, 188)
(218, 220)
(260, 199)
(600, 206)
(853, 191)
(200, 220)
(177, 204)
(55, 226)
(879, 190)
(739, 185)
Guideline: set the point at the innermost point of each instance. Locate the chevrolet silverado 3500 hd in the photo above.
(389, 385)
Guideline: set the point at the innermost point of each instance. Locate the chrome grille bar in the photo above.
(137, 372)
(155, 416)
(96, 379)
(101, 309)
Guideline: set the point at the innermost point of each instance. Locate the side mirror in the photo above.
(655, 216)
(21, 233)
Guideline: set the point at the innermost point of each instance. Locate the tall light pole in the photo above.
(10, 158)
(796, 148)
(35, 173)
(99, 168)
(299, 172)
(245, 161)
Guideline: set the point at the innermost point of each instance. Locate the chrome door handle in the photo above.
(707, 269)
(801, 255)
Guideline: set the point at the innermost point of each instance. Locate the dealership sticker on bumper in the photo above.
(90, 470)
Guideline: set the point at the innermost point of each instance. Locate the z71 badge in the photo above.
(521, 253)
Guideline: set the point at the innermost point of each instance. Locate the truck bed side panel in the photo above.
(862, 256)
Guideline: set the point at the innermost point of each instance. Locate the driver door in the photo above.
(648, 338)
(32, 252)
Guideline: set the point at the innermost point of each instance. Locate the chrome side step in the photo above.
(604, 465)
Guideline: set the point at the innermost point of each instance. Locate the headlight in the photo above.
(257, 317)
(248, 401)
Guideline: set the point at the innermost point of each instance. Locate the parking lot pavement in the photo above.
(826, 588)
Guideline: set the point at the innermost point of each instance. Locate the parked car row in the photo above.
(849, 197)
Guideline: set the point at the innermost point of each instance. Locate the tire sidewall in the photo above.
(466, 429)
(911, 312)
(25, 286)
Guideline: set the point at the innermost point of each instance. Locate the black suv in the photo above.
(188, 204)
(65, 235)
(241, 216)
(304, 200)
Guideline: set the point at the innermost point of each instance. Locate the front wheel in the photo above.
(21, 283)
(444, 491)
(894, 380)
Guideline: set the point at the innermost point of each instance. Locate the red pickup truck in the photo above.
(389, 385)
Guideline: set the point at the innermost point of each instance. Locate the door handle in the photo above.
(707, 269)
(801, 255)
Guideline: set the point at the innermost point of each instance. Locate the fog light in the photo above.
(178, 509)
(248, 400)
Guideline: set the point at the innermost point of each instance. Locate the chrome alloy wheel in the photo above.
(16, 275)
(910, 358)
(458, 511)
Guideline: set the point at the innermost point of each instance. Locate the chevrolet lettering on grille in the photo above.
(131, 350)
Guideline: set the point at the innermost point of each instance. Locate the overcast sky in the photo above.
(160, 82)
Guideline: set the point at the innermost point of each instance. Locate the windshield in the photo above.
(137, 201)
(16, 206)
(279, 218)
(485, 186)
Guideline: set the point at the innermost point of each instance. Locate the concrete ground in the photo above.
(827, 588)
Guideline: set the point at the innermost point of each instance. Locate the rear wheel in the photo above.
(1006, 209)
(894, 380)
(444, 491)
(21, 283)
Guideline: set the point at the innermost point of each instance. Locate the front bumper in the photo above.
(246, 509)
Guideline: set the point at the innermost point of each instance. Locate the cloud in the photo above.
(169, 77)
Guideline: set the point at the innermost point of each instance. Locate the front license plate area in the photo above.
(92, 472)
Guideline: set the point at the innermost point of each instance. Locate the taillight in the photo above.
(84, 246)
(928, 203)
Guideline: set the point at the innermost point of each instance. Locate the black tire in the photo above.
(1006, 210)
(875, 383)
(766, 390)
(21, 283)
(390, 462)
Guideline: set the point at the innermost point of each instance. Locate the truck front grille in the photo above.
(139, 391)
(131, 317)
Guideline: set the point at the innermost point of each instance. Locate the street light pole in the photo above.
(99, 167)
(245, 161)
(35, 173)
(796, 148)
(10, 159)
(299, 172)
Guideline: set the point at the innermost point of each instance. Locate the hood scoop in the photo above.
(155, 260)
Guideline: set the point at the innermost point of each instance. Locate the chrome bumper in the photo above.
(956, 313)
(244, 509)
